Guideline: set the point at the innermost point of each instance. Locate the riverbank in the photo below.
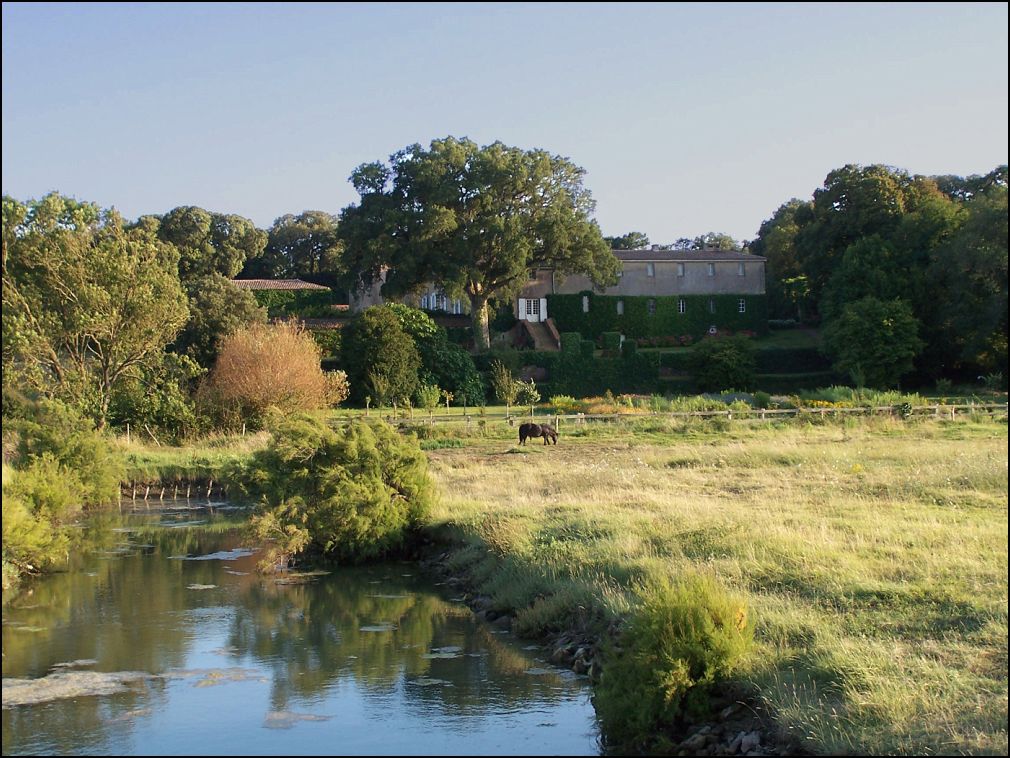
(872, 554)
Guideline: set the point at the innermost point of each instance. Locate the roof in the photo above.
(685, 255)
(276, 284)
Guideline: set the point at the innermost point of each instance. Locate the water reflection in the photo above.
(359, 661)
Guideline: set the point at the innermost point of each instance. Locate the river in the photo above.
(163, 639)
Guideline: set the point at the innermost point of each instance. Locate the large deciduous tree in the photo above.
(305, 246)
(208, 243)
(87, 303)
(475, 221)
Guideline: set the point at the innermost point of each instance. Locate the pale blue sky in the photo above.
(687, 118)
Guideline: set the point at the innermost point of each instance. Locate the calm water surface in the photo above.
(165, 641)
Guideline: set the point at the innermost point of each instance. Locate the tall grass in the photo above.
(872, 554)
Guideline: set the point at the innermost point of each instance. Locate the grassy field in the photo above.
(872, 553)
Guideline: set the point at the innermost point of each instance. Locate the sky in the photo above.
(687, 118)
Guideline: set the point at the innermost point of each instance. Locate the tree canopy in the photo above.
(86, 301)
(208, 243)
(303, 246)
(474, 221)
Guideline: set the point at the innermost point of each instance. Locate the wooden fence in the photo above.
(949, 411)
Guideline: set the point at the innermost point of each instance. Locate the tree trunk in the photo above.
(481, 323)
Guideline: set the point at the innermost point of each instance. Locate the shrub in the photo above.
(49, 428)
(722, 363)
(683, 636)
(347, 495)
(265, 366)
(566, 404)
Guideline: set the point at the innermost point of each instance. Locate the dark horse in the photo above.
(528, 431)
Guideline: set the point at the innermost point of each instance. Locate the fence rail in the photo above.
(901, 410)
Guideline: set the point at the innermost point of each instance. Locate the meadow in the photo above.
(872, 554)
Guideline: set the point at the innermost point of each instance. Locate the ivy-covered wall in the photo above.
(636, 321)
(305, 303)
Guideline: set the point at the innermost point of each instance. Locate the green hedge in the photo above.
(636, 321)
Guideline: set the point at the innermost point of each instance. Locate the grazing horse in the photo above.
(527, 431)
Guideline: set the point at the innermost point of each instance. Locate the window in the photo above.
(651, 307)
(681, 306)
(585, 303)
(533, 306)
(457, 307)
(424, 302)
(620, 307)
(680, 269)
(741, 306)
(740, 269)
(711, 269)
(650, 269)
(711, 305)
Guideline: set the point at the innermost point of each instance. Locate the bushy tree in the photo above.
(443, 363)
(506, 387)
(379, 355)
(208, 243)
(87, 303)
(264, 366)
(721, 363)
(303, 246)
(216, 308)
(349, 495)
(875, 340)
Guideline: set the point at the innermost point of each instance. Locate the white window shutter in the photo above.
(522, 309)
(543, 309)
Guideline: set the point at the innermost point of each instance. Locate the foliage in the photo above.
(629, 241)
(683, 636)
(49, 428)
(722, 363)
(528, 394)
(442, 362)
(59, 466)
(264, 366)
(86, 303)
(301, 303)
(474, 221)
(329, 341)
(208, 243)
(380, 358)
(969, 272)
(300, 247)
(506, 387)
(158, 399)
(427, 396)
(350, 495)
(216, 309)
(636, 321)
(875, 338)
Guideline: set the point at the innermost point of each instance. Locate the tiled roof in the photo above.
(685, 255)
(276, 284)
